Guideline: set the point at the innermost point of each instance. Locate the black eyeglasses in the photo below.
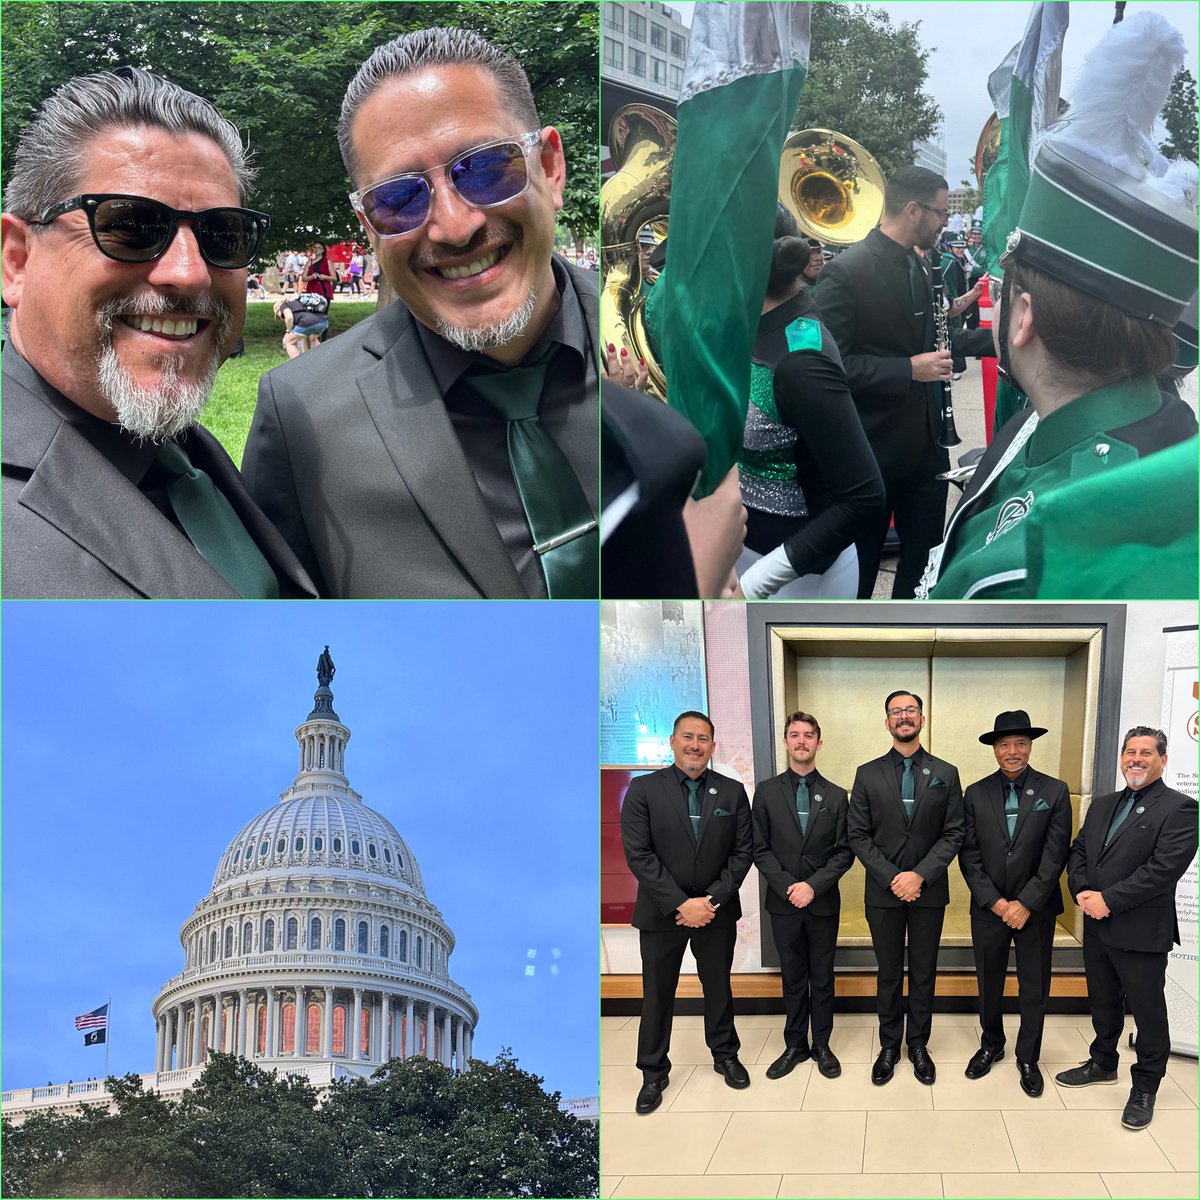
(944, 213)
(484, 177)
(133, 229)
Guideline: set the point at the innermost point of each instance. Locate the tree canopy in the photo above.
(1179, 116)
(415, 1129)
(865, 80)
(279, 70)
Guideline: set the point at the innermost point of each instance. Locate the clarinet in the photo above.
(949, 435)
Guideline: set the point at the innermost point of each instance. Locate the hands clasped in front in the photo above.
(1012, 912)
(907, 885)
(695, 913)
(1093, 905)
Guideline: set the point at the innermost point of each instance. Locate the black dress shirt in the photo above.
(898, 761)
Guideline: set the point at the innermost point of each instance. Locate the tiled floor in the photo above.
(804, 1135)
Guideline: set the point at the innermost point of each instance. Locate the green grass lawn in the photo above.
(231, 408)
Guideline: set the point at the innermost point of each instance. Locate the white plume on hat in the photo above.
(1119, 94)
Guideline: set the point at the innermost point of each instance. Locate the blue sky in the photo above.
(138, 738)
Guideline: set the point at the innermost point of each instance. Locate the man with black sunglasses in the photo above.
(447, 446)
(125, 246)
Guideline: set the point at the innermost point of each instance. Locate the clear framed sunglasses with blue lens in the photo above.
(485, 176)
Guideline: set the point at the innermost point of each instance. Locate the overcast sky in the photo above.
(968, 39)
(140, 738)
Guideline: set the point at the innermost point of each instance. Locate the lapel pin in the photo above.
(1141, 808)
(924, 770)
(712, 791)
(1029, 791)
(818, 797)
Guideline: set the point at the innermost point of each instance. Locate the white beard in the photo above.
(157, 413)
(489, 337)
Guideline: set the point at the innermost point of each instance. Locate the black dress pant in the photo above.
(924, 929)
(917, 501)
(1139, 976)
(662, 954)
(990, 940)
(806, 945)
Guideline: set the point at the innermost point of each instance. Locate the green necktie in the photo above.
(693, 787)
(214, 528)
(802, 804)
(1010, 809)
(917, 284)
(908, 787)
(565, 535)
(1123, 810)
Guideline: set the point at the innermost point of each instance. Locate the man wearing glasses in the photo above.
(906, 826)
(125, 246)
(447, 446)
(877, 300)
(1132, 850)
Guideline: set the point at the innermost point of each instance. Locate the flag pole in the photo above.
(107, 1037)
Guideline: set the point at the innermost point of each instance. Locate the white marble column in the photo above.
(430, 1040)
(180, 1053)
(356, 1031)
(243, 1023)
(196, 1030)
(327, 1031)
(215, 1041)
(410, 1038)
(446, 1054)
(470, 1045)
(269, 1043)
(301, 1045)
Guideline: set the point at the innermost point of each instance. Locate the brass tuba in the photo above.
(831, 185)
(641, 141)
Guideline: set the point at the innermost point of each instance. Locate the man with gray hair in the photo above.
(125, 245)
(447, 446)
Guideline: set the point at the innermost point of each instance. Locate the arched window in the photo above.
(281, 845)
(291, 934)
(339, 1029)
(228, 941)
(269, 935)
(355, 846)
(262, 850)
(387, 855)
(383, 941)
(339, 934)
(364, 1045)
(212, 946)
(204, 1037)
(247, 938)
(298, 844)
(402, 945)
(318, 843)
(262, 1030)
(289, 1028)
(371, 851)
(314, 934)
(417, 953)
(362, 937)
(249, 850)
(312, 1034)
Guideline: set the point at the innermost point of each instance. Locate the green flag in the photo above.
(746, 68)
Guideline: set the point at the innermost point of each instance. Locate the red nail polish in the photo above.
(611, 348)
(641, 362)
(624, 352)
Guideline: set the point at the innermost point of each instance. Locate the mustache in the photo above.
(490, 237)
(155, 304)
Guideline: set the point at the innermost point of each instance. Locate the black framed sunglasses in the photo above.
(484, 177)
(134, 229)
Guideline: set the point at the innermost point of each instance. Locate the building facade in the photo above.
(645, 45)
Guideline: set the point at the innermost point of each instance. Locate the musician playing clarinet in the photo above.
(876, 299)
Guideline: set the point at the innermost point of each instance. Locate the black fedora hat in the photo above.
(1008, 724)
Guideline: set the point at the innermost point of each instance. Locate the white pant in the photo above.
(840, 582)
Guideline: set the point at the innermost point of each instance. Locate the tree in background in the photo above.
(1179, 116)
(279, 70)
(865, 80)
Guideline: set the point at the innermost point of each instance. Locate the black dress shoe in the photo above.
(1084, 1074)
(827, 1062)
(1032, 1083)
(1139, 1110)
(787, 1060)
(923, 1067)
(650, 1096)
(981, 1062)
(885, 1066)
(735, 1074)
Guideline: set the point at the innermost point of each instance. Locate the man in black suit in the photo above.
(801, 849)
(1018, 832)
(445, 447)
(876, 300)
(687, 839)
(905, 826)
(124, 261)
(1133, 849)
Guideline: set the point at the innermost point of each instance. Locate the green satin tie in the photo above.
(566, 537)
(1122, 811)
(802, 804)
(908, 787)
(1010, 808)
(214, 528)
(693, 787)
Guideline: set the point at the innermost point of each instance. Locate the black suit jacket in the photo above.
(1138, 872)
(868, 308)
(670, 865)
(784, 855)
(1029, 867)
(353, 455)
(886, 844)
(75, 527)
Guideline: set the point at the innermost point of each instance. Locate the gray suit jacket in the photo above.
(75, 527)
(353, 455)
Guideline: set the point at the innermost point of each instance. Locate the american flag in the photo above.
(96, 1019)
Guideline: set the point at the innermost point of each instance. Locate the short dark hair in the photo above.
(1160, 738)
(698, 716)
(888, 702)
(911, 183)
(799, 716)
(411, 52)
(1086, 336)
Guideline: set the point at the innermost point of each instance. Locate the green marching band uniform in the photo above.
(1019, 530)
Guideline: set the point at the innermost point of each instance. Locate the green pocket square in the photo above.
(936, 782)
(1041, 806)
(720, 812)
